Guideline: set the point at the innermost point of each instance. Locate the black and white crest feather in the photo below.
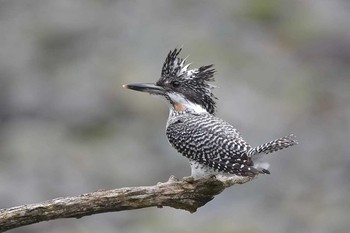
(192, 83)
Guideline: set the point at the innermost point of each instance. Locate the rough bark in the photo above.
(185, 194)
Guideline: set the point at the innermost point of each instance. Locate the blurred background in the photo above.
(68, 127)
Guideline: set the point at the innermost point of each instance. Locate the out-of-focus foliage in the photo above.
(68, 127)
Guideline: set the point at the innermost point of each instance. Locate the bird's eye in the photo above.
(175, 84)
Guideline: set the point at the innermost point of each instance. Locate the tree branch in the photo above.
(186, 194)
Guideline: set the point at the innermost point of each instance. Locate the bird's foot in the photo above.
(188, 179)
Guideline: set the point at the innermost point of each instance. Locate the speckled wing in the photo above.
(212, 142)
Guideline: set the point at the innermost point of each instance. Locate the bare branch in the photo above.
(185, 194)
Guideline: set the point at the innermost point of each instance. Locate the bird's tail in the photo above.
(257, 153)
(274, 145)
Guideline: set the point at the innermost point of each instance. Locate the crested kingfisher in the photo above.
(211, 145)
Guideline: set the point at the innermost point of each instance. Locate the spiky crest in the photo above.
(193, 83)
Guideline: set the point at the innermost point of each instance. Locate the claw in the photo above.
(188, 179)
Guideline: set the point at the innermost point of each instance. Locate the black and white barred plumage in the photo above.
(212, 145)
(216, 145)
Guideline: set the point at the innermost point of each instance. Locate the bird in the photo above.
(212, 145)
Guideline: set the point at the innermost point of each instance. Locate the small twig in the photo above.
(185, 194)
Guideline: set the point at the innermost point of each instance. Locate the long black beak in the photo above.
(145, 87)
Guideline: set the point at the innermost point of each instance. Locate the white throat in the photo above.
(181, 104)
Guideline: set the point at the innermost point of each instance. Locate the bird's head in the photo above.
(185, 89)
